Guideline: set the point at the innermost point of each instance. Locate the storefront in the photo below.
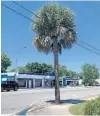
(69, 81)
(32, 81)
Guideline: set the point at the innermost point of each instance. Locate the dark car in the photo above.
(9, 85)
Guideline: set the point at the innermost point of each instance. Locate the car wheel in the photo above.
(15, 88)
(8, 89)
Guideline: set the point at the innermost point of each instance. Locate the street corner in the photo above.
(33, 108)
(50, 109)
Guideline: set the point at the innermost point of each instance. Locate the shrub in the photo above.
(77, 109)
(92, 107)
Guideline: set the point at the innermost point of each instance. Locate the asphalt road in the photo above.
(12, 102)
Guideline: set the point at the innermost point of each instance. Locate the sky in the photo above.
(16, 33)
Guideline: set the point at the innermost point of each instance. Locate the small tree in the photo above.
(55, 29)
(72, 74)
(90, 73)
(5, 62)
(62, 70)
(40, 68)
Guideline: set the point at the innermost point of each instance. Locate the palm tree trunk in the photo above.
(56, 67)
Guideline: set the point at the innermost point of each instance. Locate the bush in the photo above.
(92, 107)
(87, 108)
(77, 109)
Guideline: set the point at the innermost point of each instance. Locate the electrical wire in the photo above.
(33, 21)
(17, 12)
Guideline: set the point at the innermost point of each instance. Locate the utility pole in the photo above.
(17, 61)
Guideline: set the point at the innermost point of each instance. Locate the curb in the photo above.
(28, 109)
(40, 107)
(37, 107)
(43, 104)
(24, 111)
(93, 98)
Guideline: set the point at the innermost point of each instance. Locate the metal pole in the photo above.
(17, 62)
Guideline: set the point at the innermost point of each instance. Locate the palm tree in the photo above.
(55, 30)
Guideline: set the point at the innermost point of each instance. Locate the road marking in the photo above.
(75, 95)
(35, 107)
(14, 113)
(38, 100)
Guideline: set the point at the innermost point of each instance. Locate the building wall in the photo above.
(21, 82)
(68, 81)
(29, 83)
(80, 81)
(40, 80)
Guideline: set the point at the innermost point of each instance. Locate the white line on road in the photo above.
(14, 113)
(75, 95)
(35, 108)
(38, 100)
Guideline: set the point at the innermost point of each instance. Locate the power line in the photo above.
(25, 8)
(39, 17)
(17, 12)
(33, 21)
(90, 45)
(87, 49)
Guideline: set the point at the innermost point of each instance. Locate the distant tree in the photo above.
(80, 75)
(22, 70)
(46, 68)
(36, 67)
(13, 70)
(29, 67)
(90, 73)
(5, 62)
(72, 74)
(62, 70)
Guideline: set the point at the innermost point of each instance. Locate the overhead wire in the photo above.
(87, 49)
(17, 12)
(89, 45)
(25, 8)
(39, 17)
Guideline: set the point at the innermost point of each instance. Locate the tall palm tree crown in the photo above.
(54, 23)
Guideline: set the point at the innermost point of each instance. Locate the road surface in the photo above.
(14, 101)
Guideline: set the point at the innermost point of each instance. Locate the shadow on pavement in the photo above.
(68, 101)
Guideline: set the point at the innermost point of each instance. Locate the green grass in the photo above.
(77, 109)
(86, 108)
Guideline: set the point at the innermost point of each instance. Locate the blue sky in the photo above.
(17, 33)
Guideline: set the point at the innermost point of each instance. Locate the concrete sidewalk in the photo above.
(62, 109)
(51, 110)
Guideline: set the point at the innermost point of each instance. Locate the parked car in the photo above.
(9, 85)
